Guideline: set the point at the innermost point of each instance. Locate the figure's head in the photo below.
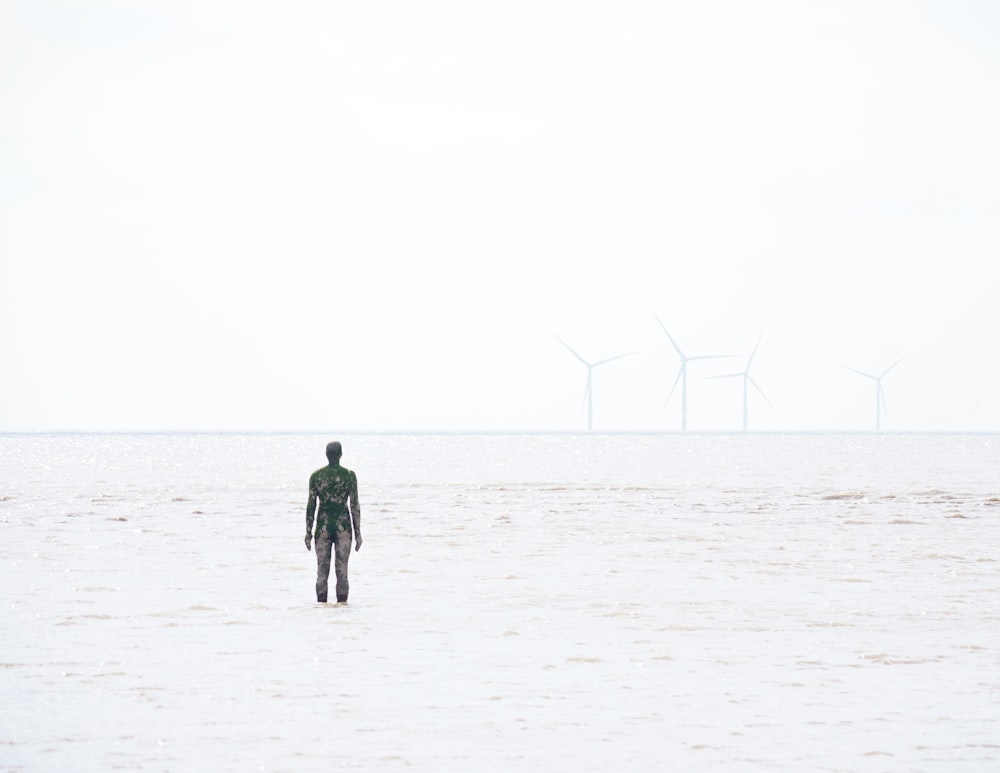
(334, 451)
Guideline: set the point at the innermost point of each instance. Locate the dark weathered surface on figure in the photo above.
(334, 489)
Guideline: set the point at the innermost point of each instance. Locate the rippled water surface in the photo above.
(703, 602)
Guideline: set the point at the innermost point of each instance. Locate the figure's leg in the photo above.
(342, 555)
(323, 546)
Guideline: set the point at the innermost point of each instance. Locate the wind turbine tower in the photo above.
(588, 394)
(747, 380)
(682, 374)
(879, 392)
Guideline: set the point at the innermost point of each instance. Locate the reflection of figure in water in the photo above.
(336, 488)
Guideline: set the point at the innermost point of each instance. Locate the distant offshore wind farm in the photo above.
(681, 379)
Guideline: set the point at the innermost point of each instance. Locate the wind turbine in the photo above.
(588, 394)
(879, 392)
(682, 374)
(747, 380)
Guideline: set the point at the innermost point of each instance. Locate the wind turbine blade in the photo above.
(757, 387)
(672, 341)
(881, 396)
(893, 365)
(754, 352)
(616, 357)
(674, 386)
(572, 352)
(862, 373)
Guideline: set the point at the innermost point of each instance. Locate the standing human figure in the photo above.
(336, 490)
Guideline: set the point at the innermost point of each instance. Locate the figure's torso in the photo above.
(332, 486)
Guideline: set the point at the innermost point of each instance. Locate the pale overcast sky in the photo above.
(345, 216)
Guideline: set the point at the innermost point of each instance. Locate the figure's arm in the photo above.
(310, 516)
(355, 511)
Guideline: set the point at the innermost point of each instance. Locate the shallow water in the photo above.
(565, 602)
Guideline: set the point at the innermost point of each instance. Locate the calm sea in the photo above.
(537, 602)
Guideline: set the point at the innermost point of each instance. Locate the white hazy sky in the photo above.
(235, 214)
